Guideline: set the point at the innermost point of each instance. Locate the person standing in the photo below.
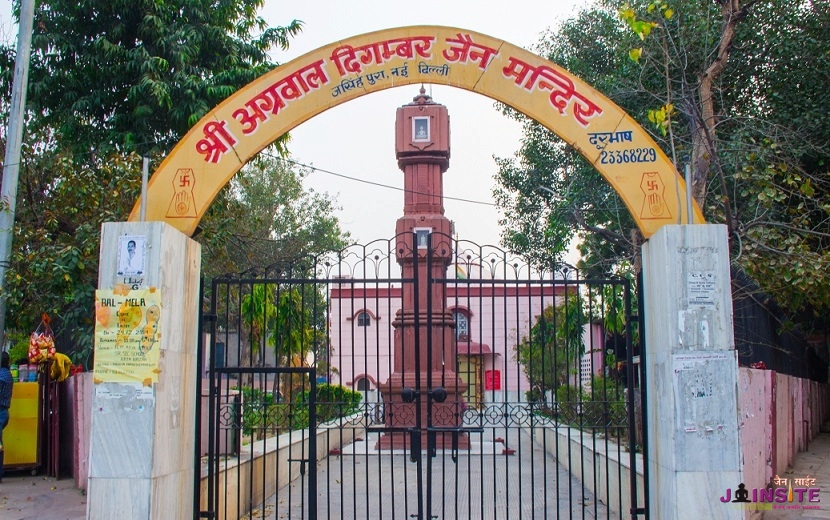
(6, 384)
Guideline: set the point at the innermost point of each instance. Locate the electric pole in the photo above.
(11, 162)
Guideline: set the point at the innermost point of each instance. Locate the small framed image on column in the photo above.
(422, 237)
(420, 129)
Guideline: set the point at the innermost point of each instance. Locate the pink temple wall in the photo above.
(359, 351)
(76, 419)
(362, 351)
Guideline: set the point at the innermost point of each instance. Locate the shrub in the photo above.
(259, 412)
(333, 401)
(600, 407)
(263, 416)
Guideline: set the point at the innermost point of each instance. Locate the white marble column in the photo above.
(694, 446)
(142, 451)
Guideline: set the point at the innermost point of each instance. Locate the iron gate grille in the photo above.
(465, 384)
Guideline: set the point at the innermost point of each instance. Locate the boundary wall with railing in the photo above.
(779, 416)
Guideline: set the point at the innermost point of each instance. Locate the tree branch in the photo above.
(616, 238)
(703, 149)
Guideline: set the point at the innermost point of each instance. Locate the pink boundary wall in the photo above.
(77, 405)
(779, 416)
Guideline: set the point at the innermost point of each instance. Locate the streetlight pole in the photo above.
(14, 137)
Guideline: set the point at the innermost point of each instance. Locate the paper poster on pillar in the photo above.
(706, 424)
(127, 336)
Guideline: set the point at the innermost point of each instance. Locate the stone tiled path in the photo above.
(23, 497)
(483, 484)
(814, 462)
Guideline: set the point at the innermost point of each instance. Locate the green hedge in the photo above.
(602, 406)
(262, 416)
(333, 401)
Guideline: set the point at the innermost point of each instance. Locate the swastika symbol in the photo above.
(182, 202)
(655, 205)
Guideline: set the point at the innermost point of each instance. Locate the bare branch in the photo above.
(611, 236)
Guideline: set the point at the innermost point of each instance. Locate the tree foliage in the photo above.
(54, 263)
(265, 217)
(112, 79)
(137, 74)
(737, 90)
(280, 318)
(551, 351)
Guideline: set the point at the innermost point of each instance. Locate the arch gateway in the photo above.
(545, 451)
(185, 184)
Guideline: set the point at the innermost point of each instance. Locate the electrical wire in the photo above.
(373, 183)
(381, 185)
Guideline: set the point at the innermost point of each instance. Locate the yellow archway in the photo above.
(188, 180)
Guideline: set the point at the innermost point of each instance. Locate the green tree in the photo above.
(54, 263)
(265, 217)
(733, 88)
(266, 222)
(541, 224)
(107, 79)
(258, 312)
(552, 349)
(278, 317)
(137, 74)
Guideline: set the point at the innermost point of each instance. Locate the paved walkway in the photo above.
(814, 462)
(23, 497)
(364, 484)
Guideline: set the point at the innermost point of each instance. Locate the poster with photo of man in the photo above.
(131, 255)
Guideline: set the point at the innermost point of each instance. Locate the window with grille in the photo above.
(462, 325)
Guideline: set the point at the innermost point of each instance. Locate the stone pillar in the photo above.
(422, 147)
(142, 436)
(694, 442)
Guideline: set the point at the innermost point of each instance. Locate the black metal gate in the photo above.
(420, 377)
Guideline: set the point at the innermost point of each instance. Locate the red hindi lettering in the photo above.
(345, 60)
(303, 81)
(271, 100)
(350, 60)
(403, 48)
(375, 52)
(561, 87)
(292, 87)
(314, 75)
(520, 70)
(259, 108)
(584, 108)
(422, 45)
(458, 49)
(462, 48)
(216, 142)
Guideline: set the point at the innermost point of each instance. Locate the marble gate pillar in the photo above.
(694, 437)
(142, 436)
